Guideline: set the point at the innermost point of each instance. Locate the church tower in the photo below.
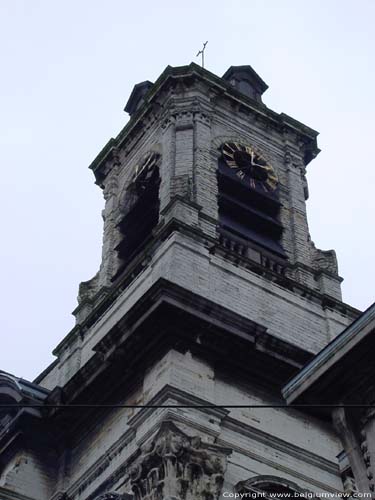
(210, 296)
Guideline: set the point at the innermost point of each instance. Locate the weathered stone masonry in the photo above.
(193, 320)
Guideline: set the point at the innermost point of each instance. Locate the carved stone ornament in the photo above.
(60, 495)
(324, 260)
(367, 460)
(113, 496)
(175, 466)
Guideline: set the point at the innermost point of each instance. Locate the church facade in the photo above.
(210, 298)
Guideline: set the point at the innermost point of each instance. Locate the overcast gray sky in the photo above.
(68, 68)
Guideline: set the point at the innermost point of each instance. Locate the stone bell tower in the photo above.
(209, 297)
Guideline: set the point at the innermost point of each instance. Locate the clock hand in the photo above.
(264, 167)
(256, 165)
(244, 167)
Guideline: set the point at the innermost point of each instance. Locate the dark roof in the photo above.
(330, 375)
(14, 390)
(246, 72)
(136, 97)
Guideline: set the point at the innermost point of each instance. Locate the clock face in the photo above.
(250, 166)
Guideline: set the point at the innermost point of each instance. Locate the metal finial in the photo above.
(202, 52)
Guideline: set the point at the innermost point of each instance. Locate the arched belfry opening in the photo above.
(248, 201)
(266, 486)
(140, 209)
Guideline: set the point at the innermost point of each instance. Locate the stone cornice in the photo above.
(279, 444)
(226, 422)
(120, 347)
(276, 465)
(99, 468)
(160, 234)
(190, 73)
(45, 372)
(6, 494)
(102, 464)
(183, 398)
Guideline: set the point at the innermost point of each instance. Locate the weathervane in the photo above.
(202, 52)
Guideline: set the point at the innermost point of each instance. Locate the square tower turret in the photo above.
(206, 154)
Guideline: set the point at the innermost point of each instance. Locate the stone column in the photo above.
(368, 446)
(353, 448)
